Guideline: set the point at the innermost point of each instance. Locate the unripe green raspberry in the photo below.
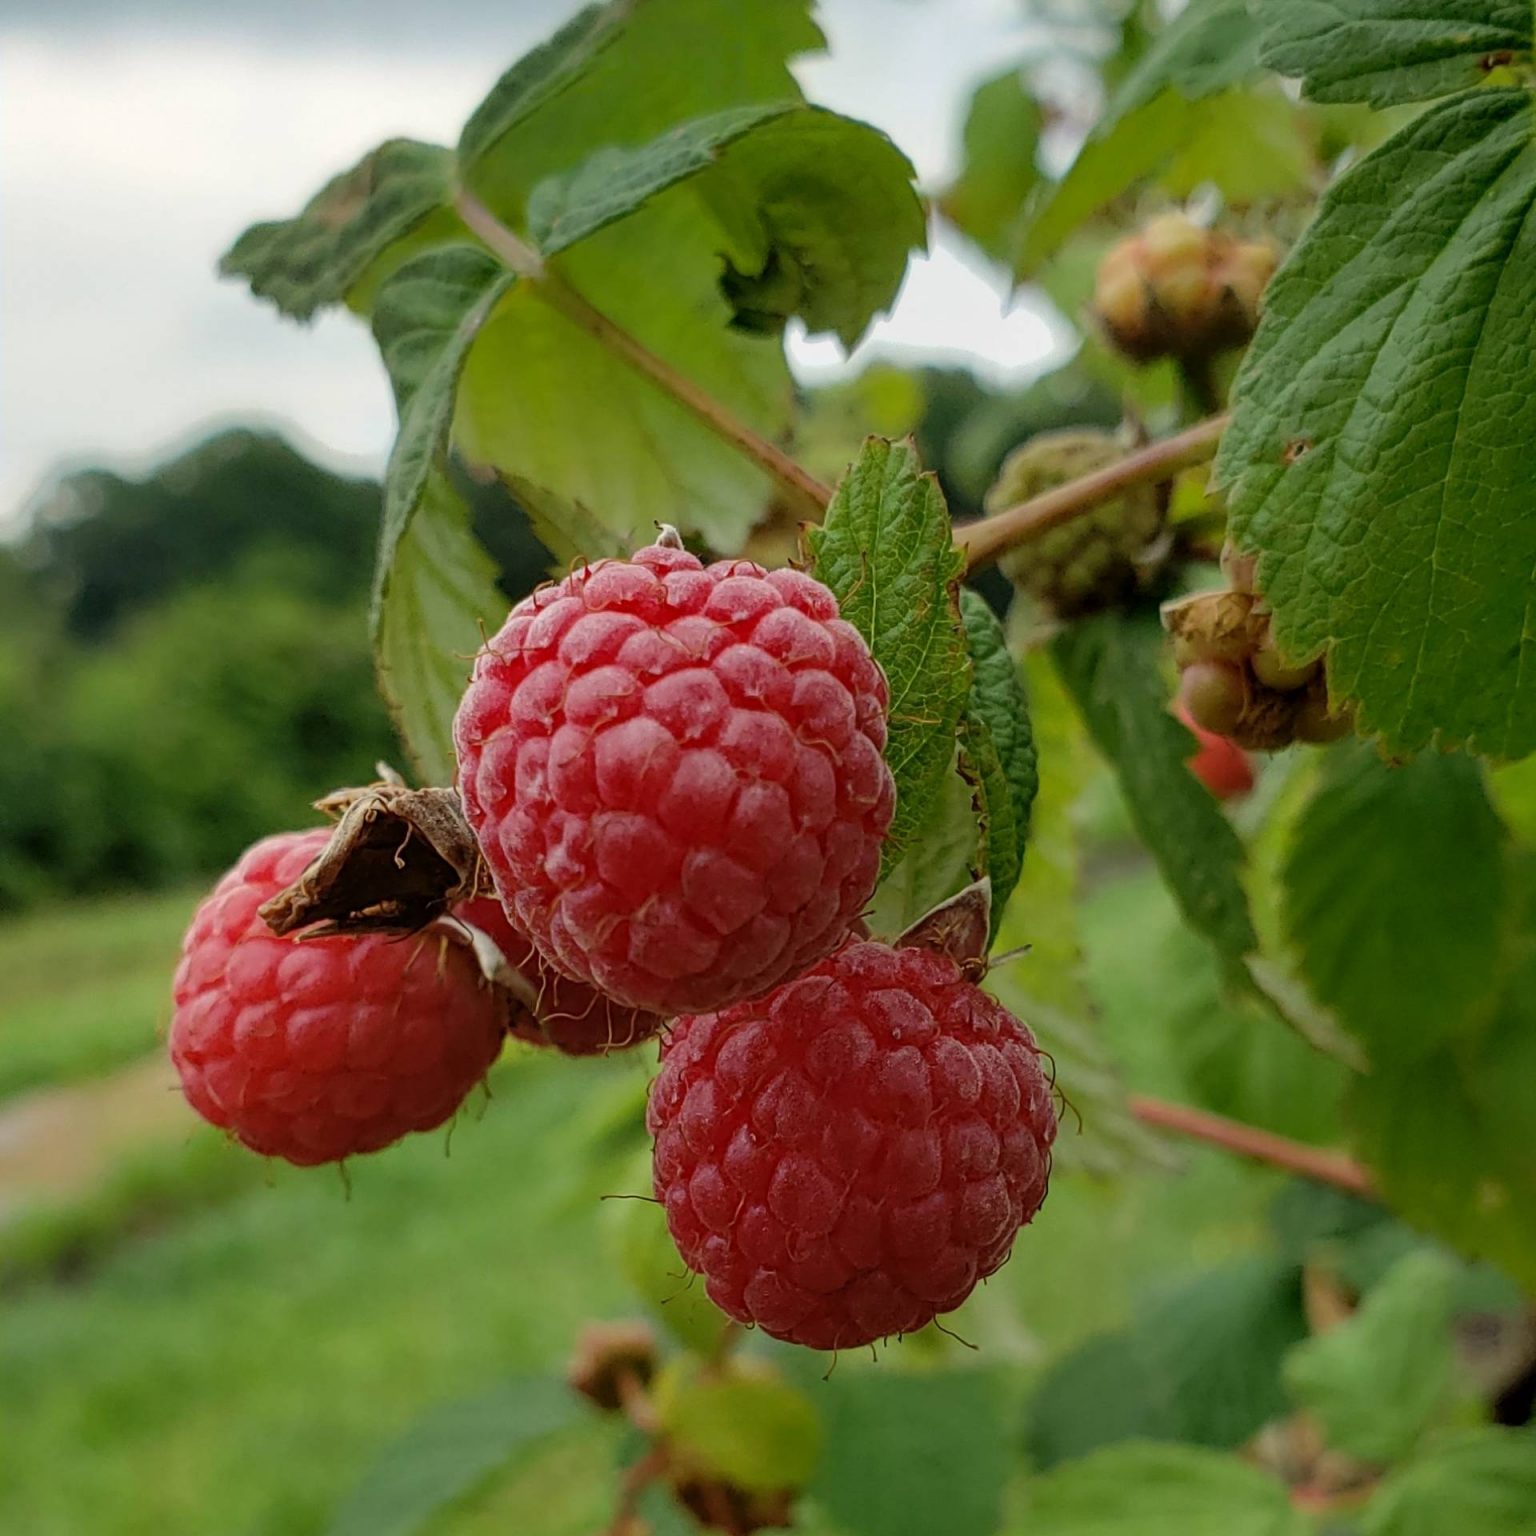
(1214, 694)
(1316, 722)
(1176, 289)
(1274, 673)
(1094, 561)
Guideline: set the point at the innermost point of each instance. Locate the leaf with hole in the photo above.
(1389, 51)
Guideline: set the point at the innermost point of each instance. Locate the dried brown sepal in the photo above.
(958, 928)
(1268, 719)
(613, 1363)
(1214, 626)
(1317, 721)
(399, 859)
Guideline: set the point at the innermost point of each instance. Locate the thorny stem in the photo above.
(808, 494)
(983, 541)
(1315, 1163)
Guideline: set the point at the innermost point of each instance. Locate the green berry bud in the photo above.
(1096, 560)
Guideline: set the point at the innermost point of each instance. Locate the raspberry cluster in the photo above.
(1091, 562)
(845, 1159)
(1234, 682)
(1176, 289)
(674, 773)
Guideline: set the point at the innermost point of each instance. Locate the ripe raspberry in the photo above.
(315, 1049)
(1091, 562)
(674, 774)
(845, 1159)
(551, 1009)
(1218, 762)
(1175, 289)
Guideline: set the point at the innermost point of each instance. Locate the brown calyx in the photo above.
(399, 859)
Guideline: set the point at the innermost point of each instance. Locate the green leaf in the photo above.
(912, 1455)
(1251, 145)
(569, 530)
(821, 214)
(1160, 985)
(439, 602)
(1210, 46)
(996, 736)
(1379, 455)
(1112, 667)
(1479, 1480)
(614, 181)
(816, 206)
(1179, 119)
(887, 552)
(1379, 1380)
(620, 74)
(449, 1452)
(1201, 1365)
(1044, 986)
(942, 858)
(427, 316)
(549, 405)
(1144, 1489)
(1408, 962)
(743, 1423)
(1387, 51)
(313, 260)
(999, 170)
(1448, 1137)
(1513, 788)
(434, 585)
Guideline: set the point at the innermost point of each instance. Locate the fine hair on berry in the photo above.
(674, 772)
(549, 1009)
(844, 1159)
(314, 1050)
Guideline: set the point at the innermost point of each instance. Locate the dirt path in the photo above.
(60, 1143)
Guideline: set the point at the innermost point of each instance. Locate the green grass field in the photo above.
(86, 987)
(204, 1344)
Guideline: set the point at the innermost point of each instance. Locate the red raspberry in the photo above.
(577, 1020)
(315, 1049)
(1218, 762)
(844, 1159)
(674, 773)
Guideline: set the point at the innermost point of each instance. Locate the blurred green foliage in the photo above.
(183, 666)
(184, 660)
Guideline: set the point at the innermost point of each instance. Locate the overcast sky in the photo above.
(133, 147)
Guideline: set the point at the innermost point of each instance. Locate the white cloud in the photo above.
(131, 160)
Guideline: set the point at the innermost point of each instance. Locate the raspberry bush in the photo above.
(815, 825)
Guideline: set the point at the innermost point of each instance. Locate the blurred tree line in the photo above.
(184, 661)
